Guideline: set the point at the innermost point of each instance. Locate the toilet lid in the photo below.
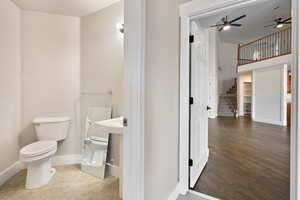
(38, 148)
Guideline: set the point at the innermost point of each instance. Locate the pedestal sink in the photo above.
(115, 126)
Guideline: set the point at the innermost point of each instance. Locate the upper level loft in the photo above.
(268, 47)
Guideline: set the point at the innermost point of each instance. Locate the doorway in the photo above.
(216, 126)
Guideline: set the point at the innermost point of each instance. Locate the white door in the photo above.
(198, 109)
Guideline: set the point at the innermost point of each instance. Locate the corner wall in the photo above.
(269, 95)
(10, 75)
(50, 74)
(102, 64)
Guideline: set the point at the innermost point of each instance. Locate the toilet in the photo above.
(38, 155)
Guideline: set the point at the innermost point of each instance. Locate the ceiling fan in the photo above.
(226, 24)
(280, 22)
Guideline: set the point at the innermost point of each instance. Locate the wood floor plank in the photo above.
(248, 161)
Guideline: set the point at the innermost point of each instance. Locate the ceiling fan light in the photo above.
(227, 27)
(279, 26)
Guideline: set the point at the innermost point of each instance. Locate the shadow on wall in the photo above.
(27, 135)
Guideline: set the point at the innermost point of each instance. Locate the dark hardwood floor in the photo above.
(248, 161)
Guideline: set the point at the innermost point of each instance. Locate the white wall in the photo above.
(269, 90)
(10, 75)
(227, 66)
(50, 73)
(102, 63)
(214, 42)
(162, 98)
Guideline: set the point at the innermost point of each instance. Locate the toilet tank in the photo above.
(52, 128)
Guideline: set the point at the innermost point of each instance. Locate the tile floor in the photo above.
(69, 183)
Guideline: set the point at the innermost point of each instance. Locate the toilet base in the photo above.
(39, 173)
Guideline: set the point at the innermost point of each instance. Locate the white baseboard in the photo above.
(269, 121)
(203, 196)
(66, 160)
(212, 116)
(175, 193)
(74, 159)
(56, 161)
(61, 160)
(113, 171)
(9, 172)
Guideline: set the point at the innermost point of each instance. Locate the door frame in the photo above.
(134, 99)
(196, 8)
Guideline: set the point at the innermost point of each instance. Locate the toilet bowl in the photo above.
(37, 156)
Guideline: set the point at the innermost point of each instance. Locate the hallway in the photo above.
(248, 161)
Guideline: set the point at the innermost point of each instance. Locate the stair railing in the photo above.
(270, 46)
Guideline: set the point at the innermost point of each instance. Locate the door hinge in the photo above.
(191, 38)
(125, 122)
(191, 100)
(191, 162)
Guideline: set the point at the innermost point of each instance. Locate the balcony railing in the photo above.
(270, 46)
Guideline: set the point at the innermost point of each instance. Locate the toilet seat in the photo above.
(38, 148)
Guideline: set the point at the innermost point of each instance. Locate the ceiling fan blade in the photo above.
(269, 25)
(286, 20)
(220, 29)
(217, 25)
(223, 20)
(236, 19)
(238, 25)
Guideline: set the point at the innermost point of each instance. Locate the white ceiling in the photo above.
(258, 15)
(75, 8)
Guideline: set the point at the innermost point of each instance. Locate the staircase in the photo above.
(228, 102)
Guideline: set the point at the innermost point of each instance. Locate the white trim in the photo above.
(253, 114)
(203, 196)
(66, 160)
(113, 170)
(268, 121)
(12, 170)
(60, 160)
(9, 172)
(287, 59)
(284, 90)
(134, 100)
(175, 193)
(74, 159)
(295, 139)
(184, 106)
(198, 8)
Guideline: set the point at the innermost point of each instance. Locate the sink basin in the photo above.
(113, 126)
